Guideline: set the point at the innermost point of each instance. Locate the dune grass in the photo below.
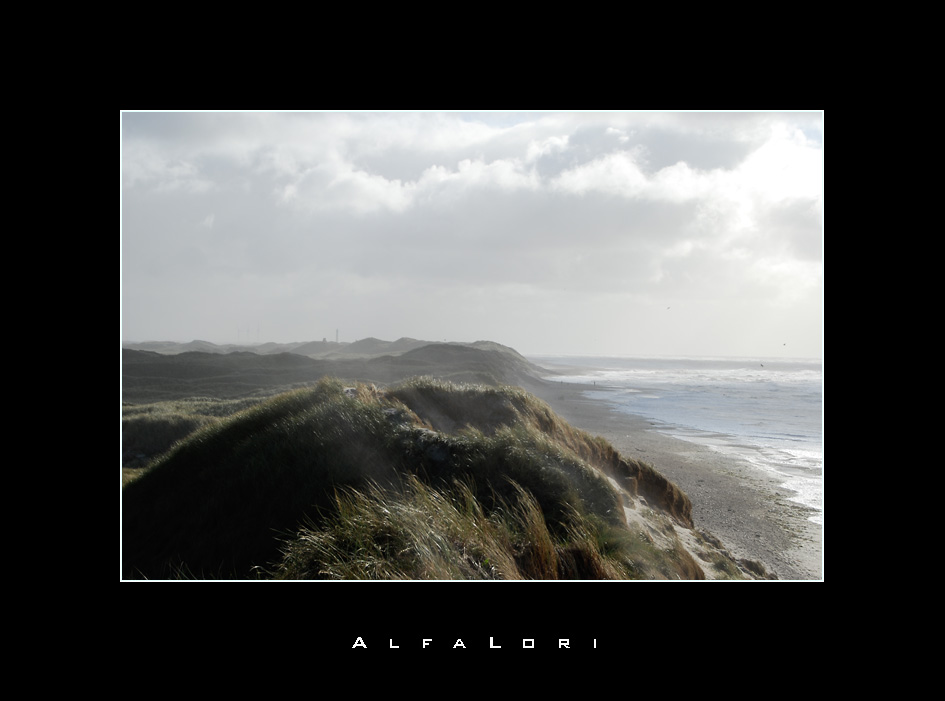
(425, 480)
(431, 534)
(150, 429)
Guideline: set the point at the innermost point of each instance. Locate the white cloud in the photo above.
(143, 166)
(544, 147)
(786, 166)
(344, 188)
(510, 215)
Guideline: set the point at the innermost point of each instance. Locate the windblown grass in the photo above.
(427, 480)
(493, 410)
(148, 430)
(430, 534)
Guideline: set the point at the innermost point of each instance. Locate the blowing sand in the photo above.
(748, 510)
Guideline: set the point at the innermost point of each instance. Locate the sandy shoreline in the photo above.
(746, 508)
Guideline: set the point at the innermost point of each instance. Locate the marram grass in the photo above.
(424, 533)
(425, 480)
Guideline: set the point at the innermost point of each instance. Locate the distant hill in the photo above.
(311, 349)
(150, 375)
(485, 362)
(175, 347)
(364, 348)
(372, 347)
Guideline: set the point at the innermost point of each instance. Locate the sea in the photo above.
(767, 412)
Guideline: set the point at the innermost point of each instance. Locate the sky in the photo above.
(618, 233)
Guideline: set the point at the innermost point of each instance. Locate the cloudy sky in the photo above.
(586, 233)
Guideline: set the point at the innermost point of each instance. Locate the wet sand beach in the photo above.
(747, 509)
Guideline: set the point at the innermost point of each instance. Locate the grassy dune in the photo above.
(149, 429)
(424, 480)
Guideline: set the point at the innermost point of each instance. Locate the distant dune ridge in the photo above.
(363, 348)
(151, 375)
(423, 463)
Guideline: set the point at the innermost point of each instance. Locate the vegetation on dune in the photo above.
(149, 429)
(423, 533)
(425, 480)
(489, 409)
